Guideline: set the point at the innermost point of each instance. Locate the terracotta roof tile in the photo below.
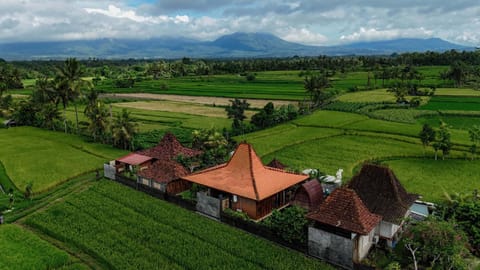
(344, 209)
(246, 176)
(164, 171)
(382, 193)
(169, 148)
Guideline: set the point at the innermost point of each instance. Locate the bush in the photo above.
(290, 224)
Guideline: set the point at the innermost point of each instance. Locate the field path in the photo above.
(81, 184)
(218, 101)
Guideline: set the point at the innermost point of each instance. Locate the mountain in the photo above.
(228, 46)
(407, 45)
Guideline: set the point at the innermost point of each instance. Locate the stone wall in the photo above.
(208, 205)
(330, 247)
(109, 171)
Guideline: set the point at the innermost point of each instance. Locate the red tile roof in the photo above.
(134, 159)
(275, 163)
(169, 148)
(382, 193)
(246, 176)
(344, 209)
(164, 171)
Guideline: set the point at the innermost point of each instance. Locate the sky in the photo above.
(315, 22)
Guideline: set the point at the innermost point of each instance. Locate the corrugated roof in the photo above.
(134, 159)
(344, 209)
(246, 176)
(382, 193)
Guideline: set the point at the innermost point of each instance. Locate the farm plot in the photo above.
(453, 103)
(150, 119)
(21, 249)
(433, 178)
(46, 158)
(125, 229)
(346, 151)
(265, 86)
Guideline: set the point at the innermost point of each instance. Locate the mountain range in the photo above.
(237, 45)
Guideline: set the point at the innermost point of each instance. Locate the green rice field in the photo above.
(47, 158)
(125, 229)
(21, 249)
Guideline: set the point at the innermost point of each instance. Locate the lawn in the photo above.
(125, 229)
(47, 158)
(432, 178)
(21, 249)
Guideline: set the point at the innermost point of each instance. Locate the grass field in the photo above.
(21, 249)
(125, 229)
(46, 158)
(432, 178)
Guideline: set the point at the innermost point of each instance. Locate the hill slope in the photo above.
(228, 46)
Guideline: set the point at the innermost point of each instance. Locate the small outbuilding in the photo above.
(309, 195)
(343, 230)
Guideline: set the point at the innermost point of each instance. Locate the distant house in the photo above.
(343, 230)
(245, 184)
(275, 163)
(382, 193)
(9, 123)
(309, 195)
(155, 167)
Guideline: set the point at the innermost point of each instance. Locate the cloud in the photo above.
(311, 22)
(370, 34)
(304, 36)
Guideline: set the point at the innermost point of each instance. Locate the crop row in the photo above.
(125, 229)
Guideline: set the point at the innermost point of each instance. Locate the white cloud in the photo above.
(304, 36)
(368, 34)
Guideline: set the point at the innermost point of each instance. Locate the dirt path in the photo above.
(254, 103)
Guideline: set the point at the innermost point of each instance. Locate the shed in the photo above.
(309, 195)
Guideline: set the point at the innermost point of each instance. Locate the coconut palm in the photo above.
(123, 130)
(70, 84)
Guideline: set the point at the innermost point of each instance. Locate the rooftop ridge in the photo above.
(251, 152)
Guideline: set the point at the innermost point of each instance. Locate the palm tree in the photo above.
(70, 85)
(315, 86)
(123, 130)
(98, 115)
